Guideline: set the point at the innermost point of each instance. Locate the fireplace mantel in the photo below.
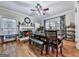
(23, 28)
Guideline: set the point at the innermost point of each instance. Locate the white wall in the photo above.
(77, 25)
(70, 17)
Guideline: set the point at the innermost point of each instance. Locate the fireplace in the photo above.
(24, 35)
(27, 33)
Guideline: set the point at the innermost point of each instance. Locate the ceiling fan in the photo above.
(39, 10)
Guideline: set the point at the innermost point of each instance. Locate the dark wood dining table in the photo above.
(46, 39)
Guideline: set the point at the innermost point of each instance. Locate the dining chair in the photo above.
(54, 41)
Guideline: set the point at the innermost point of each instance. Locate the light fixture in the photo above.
(39, 10)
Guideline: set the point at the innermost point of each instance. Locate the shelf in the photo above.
(70, 32)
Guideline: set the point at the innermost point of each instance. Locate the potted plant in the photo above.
(40, 29)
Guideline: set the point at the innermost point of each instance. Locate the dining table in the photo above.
(46, 39)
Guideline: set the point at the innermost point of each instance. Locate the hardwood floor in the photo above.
(20, 49)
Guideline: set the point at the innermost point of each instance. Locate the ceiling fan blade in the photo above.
(45, 9)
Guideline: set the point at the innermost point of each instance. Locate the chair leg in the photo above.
(29, 42)
(57, 52)
(46, 49)
(41, 52)
(42, 49)
(61, 50)
(33, 43)
(52, 50)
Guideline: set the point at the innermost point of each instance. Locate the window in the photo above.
(8, 27)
